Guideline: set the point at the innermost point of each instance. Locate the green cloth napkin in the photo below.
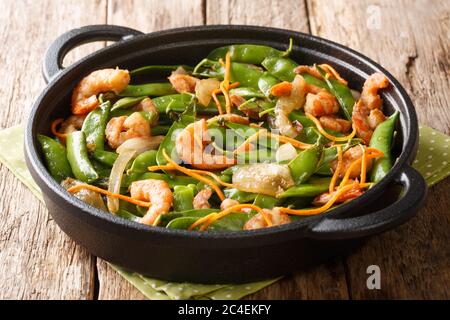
(432, 161)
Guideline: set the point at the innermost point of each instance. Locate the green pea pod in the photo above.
(160, 130)
(241, 196)
(127, 102)
(382, 140)
(94, 127)
(330, 154)
(158, 69)
(342, 94)
(143, 161)
(265, 201)
(78, 158)
(231, 222)
(244, 53)
(154, 89)
(127, 215)
(266, 82)
(306, 190)
(183, 197)
(55, 158)
(172, 181)
(102, 170)
(246, 74)
(283, 69)
(247, 92)
(302, 118)
(195, 213)
(305, 164)
(106, 157)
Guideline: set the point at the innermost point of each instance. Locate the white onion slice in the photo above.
(115, 178)
(140, 144)
(204, 90)
(285, 152)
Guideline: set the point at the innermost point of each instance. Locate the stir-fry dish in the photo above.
(246, 139)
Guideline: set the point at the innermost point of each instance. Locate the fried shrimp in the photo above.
(190, 146)
(147, 105)
(84, 96)
(157, 192)
(258, 222)
(335, 124)
(201, 199)
(120, 129)
(183, 83)
(367, 112)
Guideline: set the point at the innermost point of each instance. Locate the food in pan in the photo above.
(246, 139)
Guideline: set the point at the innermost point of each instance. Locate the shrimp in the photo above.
(72, 123)
(320, 103)
(147, 105)
(276, 216)
(183, 83)
(120, 129)
(230, 117)
(353, 193)
(367, 113)
(335, 124)
(190, 146)
(84, 96)
(227, 203)
(349, 156)
(286, 104)
(157, 192)
(201, 199)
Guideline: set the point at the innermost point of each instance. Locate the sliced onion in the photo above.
(356, 94)
(285, 152)
(90, 197)
(115, 178)
(266, 178)
(204, 90)
(140, 144)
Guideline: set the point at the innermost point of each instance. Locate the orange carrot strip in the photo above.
(338, 170)
(281, 89)
(329, 69)
(55, 132)
(109, 194)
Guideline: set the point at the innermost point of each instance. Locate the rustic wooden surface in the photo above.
(410, 38)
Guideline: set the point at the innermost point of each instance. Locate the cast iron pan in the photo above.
(179, 255)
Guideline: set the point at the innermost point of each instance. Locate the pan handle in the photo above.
(55, 54)
(413, 196)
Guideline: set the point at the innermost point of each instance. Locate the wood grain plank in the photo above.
(145, 16)
(326, 281)
(37, 261)
(415, 258)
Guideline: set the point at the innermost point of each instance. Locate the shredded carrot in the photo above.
(330, 69)
(281, 89)
(109, 194)
(203, 172)
(325, 207)
(54, 130)
(207, 220)
(192, 174)
(371, 153)
(338, 170)
(225, 84)
(217, 102)
(326, 134)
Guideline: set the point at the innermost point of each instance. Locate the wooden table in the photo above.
(409, 38)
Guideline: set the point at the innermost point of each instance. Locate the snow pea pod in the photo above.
(180, 102)
(77, 155)
(382, 140)
(175, 180)
(127, 102)
(183, 197)
(94, 127)
(302, 118)
(306, 190)
(106, 157)
(143, 161)
(149, 89)
(231, 222)
(265, 201)
(55, 158)
(283, 69)
(241, 196)
(246, 74)
(330, 154)
(244, 53)
(266, 82)
(341, 92)
(158, 69)
(194, 213)
(160, 130)
(303, 166)
(247, 92)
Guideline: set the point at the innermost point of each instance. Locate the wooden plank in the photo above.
(415, 258)
(325, 281)
(37, 261)
(146, 16)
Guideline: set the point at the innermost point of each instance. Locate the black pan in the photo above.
(179, 255)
